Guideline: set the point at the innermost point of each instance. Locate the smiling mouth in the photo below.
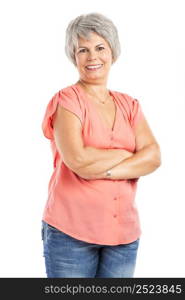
(93, 67)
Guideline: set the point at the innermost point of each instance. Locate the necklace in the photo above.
(100, 100)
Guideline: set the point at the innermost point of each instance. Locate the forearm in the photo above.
(97, 161)
(139, 164)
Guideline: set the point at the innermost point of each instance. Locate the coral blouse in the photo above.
(99, 211)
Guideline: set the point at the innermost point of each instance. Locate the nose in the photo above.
(91, 55)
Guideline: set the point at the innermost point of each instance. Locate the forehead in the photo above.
(93, 40)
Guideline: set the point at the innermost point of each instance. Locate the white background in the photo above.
(33, 67)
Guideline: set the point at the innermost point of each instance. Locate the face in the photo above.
(93, 58)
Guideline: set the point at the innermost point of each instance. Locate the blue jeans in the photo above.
(67, 257)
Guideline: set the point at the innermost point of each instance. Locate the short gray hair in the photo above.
(83, 25)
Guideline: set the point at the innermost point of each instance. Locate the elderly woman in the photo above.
(101, 145)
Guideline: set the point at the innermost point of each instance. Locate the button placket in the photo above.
(116, 206)
(111, 137)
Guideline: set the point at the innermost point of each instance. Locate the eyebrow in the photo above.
(87, 47)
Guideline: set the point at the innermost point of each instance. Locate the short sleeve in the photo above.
(68, 99)
(136, 113)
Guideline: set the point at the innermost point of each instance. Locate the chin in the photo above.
(96, 79)
(96, 76)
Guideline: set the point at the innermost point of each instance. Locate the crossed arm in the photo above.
(92, 163)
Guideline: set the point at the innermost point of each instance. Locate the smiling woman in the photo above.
(93, 58)
(101, 145)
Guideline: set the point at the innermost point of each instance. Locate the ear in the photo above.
(113, 60)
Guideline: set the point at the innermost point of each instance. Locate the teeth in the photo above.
(93, 67)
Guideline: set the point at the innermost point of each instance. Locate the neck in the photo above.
(99, 89)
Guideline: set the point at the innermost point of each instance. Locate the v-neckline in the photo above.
(103, 122)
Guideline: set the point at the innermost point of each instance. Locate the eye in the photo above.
(82, 50)
(100, 48)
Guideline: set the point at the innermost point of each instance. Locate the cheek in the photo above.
(80, 61)
(78, 64)
(107, 57)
